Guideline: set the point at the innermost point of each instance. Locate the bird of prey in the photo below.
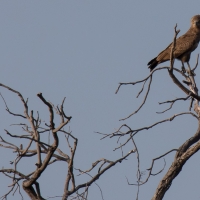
(185, 45)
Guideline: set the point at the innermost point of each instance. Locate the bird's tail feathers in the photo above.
(152, 64)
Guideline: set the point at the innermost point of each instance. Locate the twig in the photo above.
(145, 98)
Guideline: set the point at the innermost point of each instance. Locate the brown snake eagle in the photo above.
(185, 45)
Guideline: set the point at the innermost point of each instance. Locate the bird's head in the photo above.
(195, 21)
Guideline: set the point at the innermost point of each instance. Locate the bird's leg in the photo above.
(183, 67)
(190, 72)
(192, 80)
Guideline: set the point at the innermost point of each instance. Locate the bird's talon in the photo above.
(183, 69)
(192, 73)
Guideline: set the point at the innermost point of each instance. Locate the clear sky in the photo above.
(81, 50)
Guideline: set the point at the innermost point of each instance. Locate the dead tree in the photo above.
(45, 153)
(188, 148)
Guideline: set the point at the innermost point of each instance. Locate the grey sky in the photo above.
(81, 50)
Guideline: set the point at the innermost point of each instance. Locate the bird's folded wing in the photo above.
(184, 44)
